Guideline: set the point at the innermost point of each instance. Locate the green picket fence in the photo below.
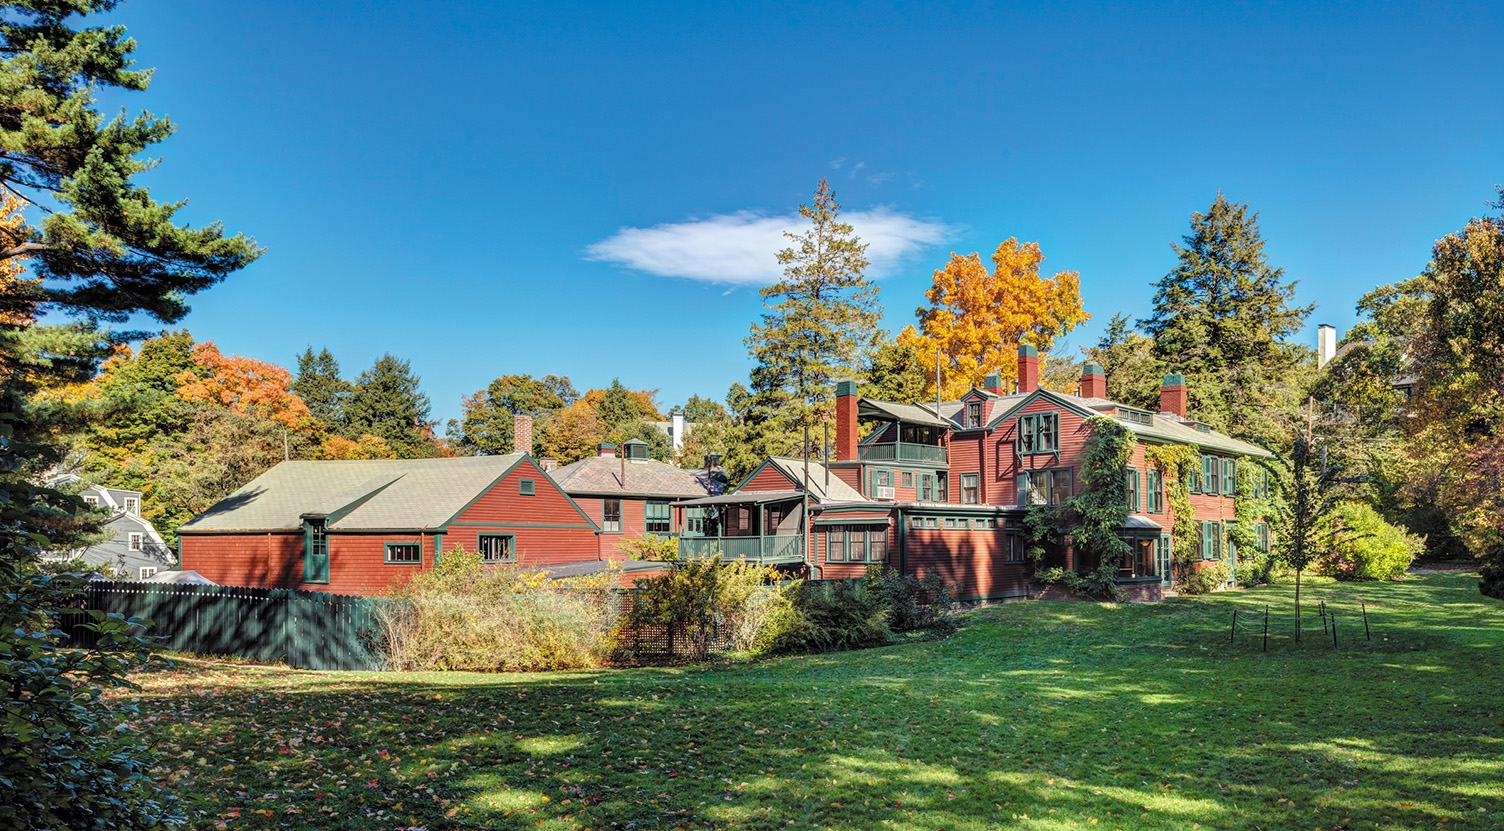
(308, 630)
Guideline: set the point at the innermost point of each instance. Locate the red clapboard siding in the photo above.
(970, 562)
(502, 504)
(263, 560)
(850, 475)
(357, 563)
(1002, 464)
(768, 479)
(534, 546)
(843, 571)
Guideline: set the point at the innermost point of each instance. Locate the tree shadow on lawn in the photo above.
(1052, 715)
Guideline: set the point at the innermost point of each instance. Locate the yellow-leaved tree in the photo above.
(976, 319)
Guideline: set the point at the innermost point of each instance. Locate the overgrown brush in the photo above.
(697, 607)
(465, 615)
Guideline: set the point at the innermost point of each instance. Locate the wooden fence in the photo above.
(308, 630)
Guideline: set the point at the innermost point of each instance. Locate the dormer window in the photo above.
(132, 506)
(973, 414)
(91, 501)
(635, 450)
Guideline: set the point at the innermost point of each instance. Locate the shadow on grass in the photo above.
(1041, 714)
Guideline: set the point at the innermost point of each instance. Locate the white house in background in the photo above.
(135, 549)
(677, 430)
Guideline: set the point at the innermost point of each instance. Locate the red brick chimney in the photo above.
(846, 433)
(1172, 396)
(1028, 368)
(522, 433)
(994, 385)
(606, 448)
(1093, 381)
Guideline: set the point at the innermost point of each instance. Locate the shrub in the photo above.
(465, 615)
(1366, 547)
(830, 615)
(912, 603)
(1203, 580)
(697, 607)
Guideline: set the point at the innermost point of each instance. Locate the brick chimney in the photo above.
(994, 385)
(522, 433)
(846, 433)
(1093, 381)
(1172, 397)
(548, 463)
(1028, 368)
(606, 448)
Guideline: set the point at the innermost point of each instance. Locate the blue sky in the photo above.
(587, 189)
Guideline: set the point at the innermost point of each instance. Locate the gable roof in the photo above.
(793, 470)
(602, 475)
(382, 494)
(1166, 427)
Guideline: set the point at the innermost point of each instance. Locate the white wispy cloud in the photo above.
(738, 249)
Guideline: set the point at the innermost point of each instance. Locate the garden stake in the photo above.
(1233, 635)
(1266, 627)
(1334, 631)
(1323, 615)
(1367, 634)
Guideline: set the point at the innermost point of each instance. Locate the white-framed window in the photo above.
(404, 553)
(611, 516)
(133, 506)
(91, 500)
(148, 571)
(134, 541)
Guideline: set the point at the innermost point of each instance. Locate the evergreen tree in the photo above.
(617, 407)
(102, 250)
(486, 426)
(321, 388)
(897, 373)
(822, 319)
(1222, 318)
(388, 403)
(1134, 375)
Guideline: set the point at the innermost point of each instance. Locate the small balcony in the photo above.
(902, 451)
(778, 548)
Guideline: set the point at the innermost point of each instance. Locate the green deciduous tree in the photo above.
(897, 374)
(1223, 317)
(388, 403)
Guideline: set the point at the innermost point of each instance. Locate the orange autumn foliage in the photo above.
(977, 319)
(245, 386)
(646, 401)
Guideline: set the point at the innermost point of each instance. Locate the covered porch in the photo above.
(766, 527)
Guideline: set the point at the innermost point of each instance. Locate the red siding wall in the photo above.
(633, 518)
(970, 562)
(842, 571)
(769, 479)
(264, 560)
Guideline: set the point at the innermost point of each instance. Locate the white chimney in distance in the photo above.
(1326, 344)
(677, 431)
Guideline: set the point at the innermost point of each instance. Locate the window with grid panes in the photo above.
(1131, 474)
(970, 488)
(1039, 433)
(835, 544)
(1013, 548)
(657, 518)
(496, 548)
(404, 553)
(1154, 493)
(611, 516)
(926, 488)
(1060, 486)
(907, 479)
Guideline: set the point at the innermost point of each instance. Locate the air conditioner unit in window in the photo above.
(886, 493)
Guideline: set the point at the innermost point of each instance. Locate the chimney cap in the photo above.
(845, 388)
(1027, 351)
(1325, 326)
(1174, 379)
(1093, 369)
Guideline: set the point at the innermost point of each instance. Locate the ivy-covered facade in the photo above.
(1008, 489)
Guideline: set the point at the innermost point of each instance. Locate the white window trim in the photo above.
(147, 571)
(135, 541)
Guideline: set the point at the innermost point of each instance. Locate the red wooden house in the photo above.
(944, 489)
(628, 496)
(360, 527)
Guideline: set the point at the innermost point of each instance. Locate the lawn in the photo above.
(1034, 715)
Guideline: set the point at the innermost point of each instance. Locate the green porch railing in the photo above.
(775, 548)
(902, 451)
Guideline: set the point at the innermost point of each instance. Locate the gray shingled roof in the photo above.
(402, 494)
(839, 490)
(602, 475)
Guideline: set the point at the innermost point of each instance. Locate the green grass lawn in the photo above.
(1037, 715)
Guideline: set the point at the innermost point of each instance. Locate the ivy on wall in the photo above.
(1176, 463)
(1248, 509)
(1095, 518)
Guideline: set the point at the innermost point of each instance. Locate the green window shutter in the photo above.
(1193, 482)
(1206, 540)
(527, 487)
(1023, 489)
(1231, 478)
